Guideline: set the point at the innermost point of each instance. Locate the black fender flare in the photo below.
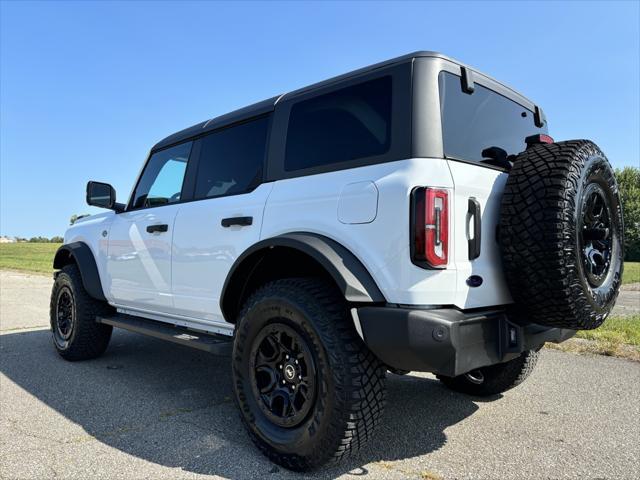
(81, 254)
(350, 275)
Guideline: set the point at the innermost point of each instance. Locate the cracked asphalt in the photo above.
(148, 409)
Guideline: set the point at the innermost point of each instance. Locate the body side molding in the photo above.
(350, 275)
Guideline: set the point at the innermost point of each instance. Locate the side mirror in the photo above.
(103, 195)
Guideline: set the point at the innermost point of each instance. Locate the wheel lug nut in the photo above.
(297, 362)
(293, 387)
(283, 382)
(280, 367)
(299, 377)
(287, 357)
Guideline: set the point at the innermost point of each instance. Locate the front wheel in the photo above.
(76, 334)
(494, 379)
(309, 390)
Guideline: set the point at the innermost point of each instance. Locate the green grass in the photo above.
(617, 337)
(28, 257)
(616, 330)
(631, 272)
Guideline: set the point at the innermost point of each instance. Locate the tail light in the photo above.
(430, 227)
(538, 138)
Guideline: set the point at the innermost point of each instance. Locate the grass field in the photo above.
(616, 330)
(631, 272)
(28, 257)
(617, 337)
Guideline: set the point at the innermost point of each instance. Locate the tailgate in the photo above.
(483, 186)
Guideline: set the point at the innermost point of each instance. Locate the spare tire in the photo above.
(561, 235)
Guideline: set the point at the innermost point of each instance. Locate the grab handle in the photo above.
(474, 243)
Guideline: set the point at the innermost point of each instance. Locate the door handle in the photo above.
(474, 243)
(241, 221)
(158, 228)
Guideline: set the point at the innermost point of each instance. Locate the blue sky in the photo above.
(86, 88)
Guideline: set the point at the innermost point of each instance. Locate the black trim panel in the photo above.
(226, 120)
(351, 276)
(83, 256)
(208, 342)
(448, 341)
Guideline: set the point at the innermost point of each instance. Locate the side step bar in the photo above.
(212, 343)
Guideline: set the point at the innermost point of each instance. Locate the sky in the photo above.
(86, 88)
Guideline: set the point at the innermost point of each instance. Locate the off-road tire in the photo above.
(87, 339)
(496, 378)
(351, 393)
(543, 220)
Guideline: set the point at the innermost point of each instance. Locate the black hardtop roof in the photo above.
(266, 106)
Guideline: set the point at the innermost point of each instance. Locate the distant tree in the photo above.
(56, 239)
(629, 184)
(38, 240)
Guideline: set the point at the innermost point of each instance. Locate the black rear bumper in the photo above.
(448, 341)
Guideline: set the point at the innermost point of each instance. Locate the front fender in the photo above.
(80, 254)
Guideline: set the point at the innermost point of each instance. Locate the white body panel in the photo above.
(204, 250)
(94, 231)
(139, 262)
(486, 186)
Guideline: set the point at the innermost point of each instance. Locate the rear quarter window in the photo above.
(483, 119)
(340, 126)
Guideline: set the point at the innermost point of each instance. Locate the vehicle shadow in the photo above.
(174, 406)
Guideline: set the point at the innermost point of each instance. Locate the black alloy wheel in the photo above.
(284, 374)
(595, 234)
(64, 316)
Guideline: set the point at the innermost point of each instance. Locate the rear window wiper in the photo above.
(497, 157)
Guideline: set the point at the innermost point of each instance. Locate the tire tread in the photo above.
(90, 339)
(361, 383)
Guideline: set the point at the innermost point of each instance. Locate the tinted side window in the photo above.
(471, 123)
(351, 123)
(231, 160)
(161, 181)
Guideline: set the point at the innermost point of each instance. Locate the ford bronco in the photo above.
(414, 215)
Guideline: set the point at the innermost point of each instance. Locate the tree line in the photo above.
(629, 184)
(56, 239)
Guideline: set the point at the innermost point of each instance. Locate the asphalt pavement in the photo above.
(149, 409)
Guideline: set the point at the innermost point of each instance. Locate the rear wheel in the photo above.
(494, 379)
(76, 334)
(309, 390)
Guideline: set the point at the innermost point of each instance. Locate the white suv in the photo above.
(412, 215)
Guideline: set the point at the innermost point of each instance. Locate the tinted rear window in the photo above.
(471, 123)
(348, 124)
(231, 160)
